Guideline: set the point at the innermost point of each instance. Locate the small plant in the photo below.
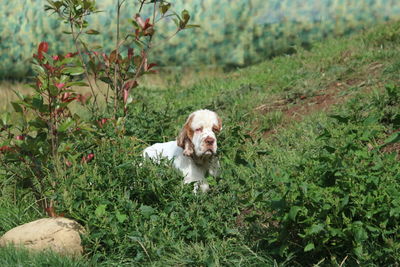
(121, 68)
(41, 146)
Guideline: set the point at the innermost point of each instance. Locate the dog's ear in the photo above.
(184, 139)
(219, 123)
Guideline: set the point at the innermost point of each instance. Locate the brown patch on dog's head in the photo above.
(217, 128)
(184, 139)
(219, 123)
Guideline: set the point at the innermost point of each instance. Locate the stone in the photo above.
(58, 234)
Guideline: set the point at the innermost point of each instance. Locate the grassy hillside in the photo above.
(310, 168)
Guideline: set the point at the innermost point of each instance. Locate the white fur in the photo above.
(195, 167)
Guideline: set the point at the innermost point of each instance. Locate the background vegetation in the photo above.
(233, 33)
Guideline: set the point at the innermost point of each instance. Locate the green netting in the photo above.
(236, 32)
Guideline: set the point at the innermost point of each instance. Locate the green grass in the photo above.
(12, 257)
(321, 190)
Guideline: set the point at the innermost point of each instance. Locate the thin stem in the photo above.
(163, 17)
(154, 11)
(116, 89)
(75, 37)
(166, 40)
(51, 120)
(141, 5)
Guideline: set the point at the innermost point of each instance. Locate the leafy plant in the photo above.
(121, 68)
(41, 146)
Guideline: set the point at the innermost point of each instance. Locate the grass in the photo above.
(11, 257)
(309, 176)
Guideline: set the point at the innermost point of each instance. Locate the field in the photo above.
(310, 169)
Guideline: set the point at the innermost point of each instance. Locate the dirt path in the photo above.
(321, 101)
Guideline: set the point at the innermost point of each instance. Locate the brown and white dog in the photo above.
(194, 151)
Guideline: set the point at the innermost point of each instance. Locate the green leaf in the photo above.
(53, 90)
(77, 83)
(310, 246)
(371, 120)
(67, 60)
(73, 70)
(360, 234)
(394, 138)
(344, 201)
(38, 123)
(16, 107)
(106, 80)
(315, 229)
(340, 118)
(49, 59)
(64, 147)
(65, 125)
(185, 16)
(146, 211)
(91, 31)
(293, 212)
(39, 70)
(192, 26)
(100, 210)
(6, 118)
(37, 102)
(121, 217)
(19, 95)
(164, 7)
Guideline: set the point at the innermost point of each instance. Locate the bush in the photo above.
(338, 199)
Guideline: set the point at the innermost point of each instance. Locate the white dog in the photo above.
(194, 151)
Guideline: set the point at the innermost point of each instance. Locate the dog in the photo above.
(195, 149)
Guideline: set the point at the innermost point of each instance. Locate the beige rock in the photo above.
(58, 234)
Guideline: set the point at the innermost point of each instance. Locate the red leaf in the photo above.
(140, 21)
(65, 97)
(5, 149)
(59, 85)
(83, 98)
(151, 65)
(90, 156)
(71, 54)
(126, 95)
(87, 158)
(43, 47)
(130, 84)
(130, 53)
(51, 212)
(147, 24)
(102, 122)
(56, 57)
(49, 67)
(20, 137)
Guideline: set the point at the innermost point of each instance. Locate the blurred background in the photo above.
(232, 34)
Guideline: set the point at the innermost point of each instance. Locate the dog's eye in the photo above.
(199, 130)
(215, 129)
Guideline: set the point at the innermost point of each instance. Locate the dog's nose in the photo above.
(209, 140)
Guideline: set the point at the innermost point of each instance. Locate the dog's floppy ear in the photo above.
(219, 123)
(184, 139)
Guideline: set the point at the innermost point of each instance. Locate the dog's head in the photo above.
(198, 136)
